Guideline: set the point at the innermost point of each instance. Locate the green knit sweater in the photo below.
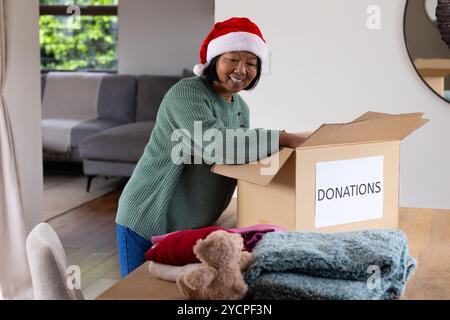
(165, 195)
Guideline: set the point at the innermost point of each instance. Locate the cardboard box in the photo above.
(343, 177)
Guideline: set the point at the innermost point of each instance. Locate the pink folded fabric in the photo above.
(253, 234)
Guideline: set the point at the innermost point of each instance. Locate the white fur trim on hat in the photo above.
(199, 68)
(237, 41)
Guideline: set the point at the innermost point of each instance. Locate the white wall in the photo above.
(328, 67)
(162, 36)
(22, 94)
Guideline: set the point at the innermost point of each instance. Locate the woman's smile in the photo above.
(237, 82)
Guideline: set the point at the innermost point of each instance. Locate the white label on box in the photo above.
(349, 191)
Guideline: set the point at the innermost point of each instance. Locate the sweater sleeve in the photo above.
(199, 134)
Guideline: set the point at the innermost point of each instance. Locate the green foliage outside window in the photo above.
(92, 46)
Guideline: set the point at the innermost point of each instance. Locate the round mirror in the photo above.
(429, 55)
(430, 9)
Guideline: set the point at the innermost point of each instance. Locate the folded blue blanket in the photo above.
(307, 265)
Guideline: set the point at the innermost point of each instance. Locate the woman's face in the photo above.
(236, 70)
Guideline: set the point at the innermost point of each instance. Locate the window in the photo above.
(84, 42)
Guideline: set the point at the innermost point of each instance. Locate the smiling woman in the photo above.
(164, 195)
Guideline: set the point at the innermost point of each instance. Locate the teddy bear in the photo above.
(219, 276)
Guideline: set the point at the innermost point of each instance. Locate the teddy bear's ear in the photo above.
(202, 245)
(238, 238)
(213, 237)
(210, 244)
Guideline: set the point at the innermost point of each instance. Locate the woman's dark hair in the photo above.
(210, 73)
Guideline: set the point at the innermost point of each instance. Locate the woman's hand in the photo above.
(293, 140)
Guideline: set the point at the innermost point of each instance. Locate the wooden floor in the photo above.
(89, 237)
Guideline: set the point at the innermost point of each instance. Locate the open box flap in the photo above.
(255, 172)
(369, 127)
(371, 115)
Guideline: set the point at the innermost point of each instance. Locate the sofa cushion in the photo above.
(117, 98)
(125, 143)
(89, 128)
(150, 92)
(60, 135)
(71, 95)
(56, 134)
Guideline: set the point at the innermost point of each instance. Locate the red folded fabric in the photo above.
(177, 248)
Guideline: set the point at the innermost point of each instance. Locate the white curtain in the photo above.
(15, 279)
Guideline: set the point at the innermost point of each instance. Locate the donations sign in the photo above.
(349, 191)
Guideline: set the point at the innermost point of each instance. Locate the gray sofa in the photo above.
(112, 143)
(72, 110)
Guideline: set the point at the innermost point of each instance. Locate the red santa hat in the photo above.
(234, 34)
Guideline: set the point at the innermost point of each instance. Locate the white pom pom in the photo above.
(198, 69)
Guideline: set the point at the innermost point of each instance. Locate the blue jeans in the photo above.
(131, 248)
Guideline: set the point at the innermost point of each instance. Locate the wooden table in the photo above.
(428, 231)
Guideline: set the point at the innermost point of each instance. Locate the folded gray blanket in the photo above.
(307, 265)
